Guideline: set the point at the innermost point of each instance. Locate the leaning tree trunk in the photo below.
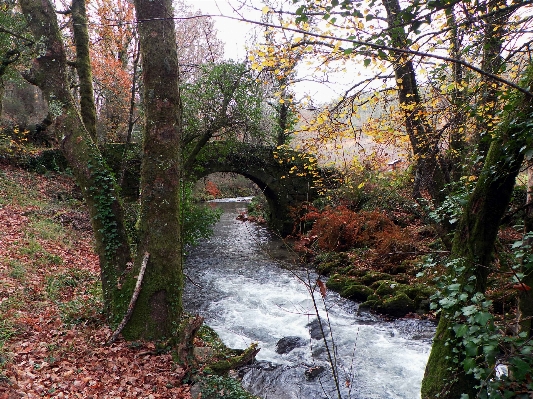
(158, 310)
(49, 73)
(473, 245)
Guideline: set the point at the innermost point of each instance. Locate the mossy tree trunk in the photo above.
(473, 245)
(159, 308)
(83, 66)
(49, 73)
(494, 31)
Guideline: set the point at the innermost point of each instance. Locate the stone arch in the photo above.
(273, 172)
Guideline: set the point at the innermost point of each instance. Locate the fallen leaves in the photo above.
(44, 356)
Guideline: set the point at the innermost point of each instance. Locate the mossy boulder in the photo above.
(398, 305)
(329, 263)
(338, 282)
(385, 288)
(326, 268)
(418, 292)
(357, 292)
(371, 277)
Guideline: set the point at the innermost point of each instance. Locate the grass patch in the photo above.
(17, 269)
(78, 295)
(31, 248)
(47, 229)
(16, 191)
(58, 285)
(217, 387)
(87, 309)
(7, 331)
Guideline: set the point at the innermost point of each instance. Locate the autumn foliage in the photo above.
(212, 189)
(339, 229)
(52, 333)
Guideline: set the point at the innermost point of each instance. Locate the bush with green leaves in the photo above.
(218, 387)
(501, 362)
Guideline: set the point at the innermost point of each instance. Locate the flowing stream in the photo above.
(248, 288)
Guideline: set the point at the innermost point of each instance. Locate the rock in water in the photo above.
(315, 331)
(287, 344)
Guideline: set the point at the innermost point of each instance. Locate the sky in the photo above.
(232, 33)
(235, 34)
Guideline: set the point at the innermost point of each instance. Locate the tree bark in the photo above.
(159, 307)
(83, 66)
(457, 125)
(429, 177)
(493, 34)
(49, 73)
(473, 244)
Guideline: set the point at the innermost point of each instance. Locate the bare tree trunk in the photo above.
(429, 177)
(456, 154)
(159, 307)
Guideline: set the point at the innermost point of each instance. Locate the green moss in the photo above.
(387, 287)
(357, 292)
(418, 292)
(338, 282)
(398, 305)
(217, 387)
(331, 262)
(371, 277)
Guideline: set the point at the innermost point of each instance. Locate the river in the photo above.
(248, 289)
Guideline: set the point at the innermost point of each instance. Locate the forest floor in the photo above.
(52, 334)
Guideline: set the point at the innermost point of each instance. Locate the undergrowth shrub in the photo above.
(341, 229)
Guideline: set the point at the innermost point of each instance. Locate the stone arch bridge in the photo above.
(286, 177)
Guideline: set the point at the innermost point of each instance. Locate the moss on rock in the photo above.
(338, 282)
(357, 292)
(371, 277)
(398, 305)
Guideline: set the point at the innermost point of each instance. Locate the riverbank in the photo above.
(245, 282)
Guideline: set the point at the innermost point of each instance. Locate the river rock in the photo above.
(287, 344)
(315, 331)
(312, 372)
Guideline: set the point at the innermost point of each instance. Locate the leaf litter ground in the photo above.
(52, 334)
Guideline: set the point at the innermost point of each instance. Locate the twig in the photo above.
(132, 301)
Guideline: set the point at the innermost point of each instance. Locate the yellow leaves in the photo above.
(361, 185)
(265, 10)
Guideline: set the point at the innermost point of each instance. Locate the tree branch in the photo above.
(134, 297)
(381, 47)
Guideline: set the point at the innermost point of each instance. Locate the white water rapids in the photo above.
(244, 288)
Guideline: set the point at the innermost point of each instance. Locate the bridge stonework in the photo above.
(286, 177)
